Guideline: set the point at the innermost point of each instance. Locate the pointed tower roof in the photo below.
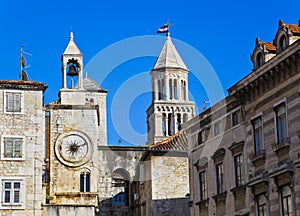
(169, 57)
(72, 47)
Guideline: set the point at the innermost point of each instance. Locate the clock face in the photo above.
(73, 148)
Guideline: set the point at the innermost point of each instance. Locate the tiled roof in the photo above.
(293, 28)
(91, 85)
(269, 46)
(21, 82)
(177, 142)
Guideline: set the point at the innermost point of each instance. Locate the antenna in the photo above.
(23, 64)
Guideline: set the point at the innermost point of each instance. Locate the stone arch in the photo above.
(120, 187)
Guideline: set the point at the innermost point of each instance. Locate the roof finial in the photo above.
(168, 24)
(71, 35)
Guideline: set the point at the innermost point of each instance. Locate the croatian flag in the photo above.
(163, 29)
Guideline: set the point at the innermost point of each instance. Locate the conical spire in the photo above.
(169, 57)
(72, 47)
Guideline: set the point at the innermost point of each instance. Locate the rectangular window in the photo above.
(12, 148)
(236, 118)
(261, 205)
(11, 192)
(258, 135)
(142, 174)
(281, 126)
(286, 201)
(217, 128)
(239, 172)
(13, 102)
(220, 178)
(203, 185)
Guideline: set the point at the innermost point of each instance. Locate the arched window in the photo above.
(185, 118)
(170, 89)
(184, 90)
(85, 181)
(178, 122)
(159, 90)
(282, 44)
(259, 60)
(163, 90)
(175, 90)
(164, 129)
(170, 124)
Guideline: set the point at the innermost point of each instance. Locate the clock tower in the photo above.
(76, 126)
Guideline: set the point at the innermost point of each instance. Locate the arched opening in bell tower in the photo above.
(72, 72)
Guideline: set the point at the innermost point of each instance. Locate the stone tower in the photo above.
(76, 127)
(170, 106)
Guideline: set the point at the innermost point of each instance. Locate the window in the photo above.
(84, 182)
(236, 118)
(261, 205)
(286, 201)
(163, 90)
(12, 148)
(178, 122)
(11, 192)
(175, 90)
(13, 102)
(200, 138)
(281, 126)
(142, 174)
(220, 178)
(159, 90)
(164, 128)
(282, 44)
(239, 172)
(258, 135)
(259, 60)
(203, 185)
(170, 89)
(217, 128)
(170, 124)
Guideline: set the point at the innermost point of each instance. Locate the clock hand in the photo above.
(82, 144)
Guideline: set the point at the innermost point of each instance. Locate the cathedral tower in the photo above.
(170, 106)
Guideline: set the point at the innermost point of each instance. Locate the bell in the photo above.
(72, 71)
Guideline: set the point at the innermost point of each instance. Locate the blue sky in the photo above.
(223, 32)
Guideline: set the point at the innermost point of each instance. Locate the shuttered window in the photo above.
(13, 101)
(12, 147)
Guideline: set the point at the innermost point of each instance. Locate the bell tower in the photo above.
(72, 80)
(170, 106)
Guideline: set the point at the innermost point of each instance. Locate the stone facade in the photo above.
(163, 186)
(250, 167)
(22, 147)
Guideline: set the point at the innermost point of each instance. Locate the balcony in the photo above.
(258, 158)
(282, 147)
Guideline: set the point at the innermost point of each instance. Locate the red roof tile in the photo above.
(269, 46)
(293, 28)
(177, 142)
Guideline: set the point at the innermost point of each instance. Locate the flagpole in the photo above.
(21, 56)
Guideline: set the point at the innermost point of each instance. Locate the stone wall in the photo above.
(30, 126)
